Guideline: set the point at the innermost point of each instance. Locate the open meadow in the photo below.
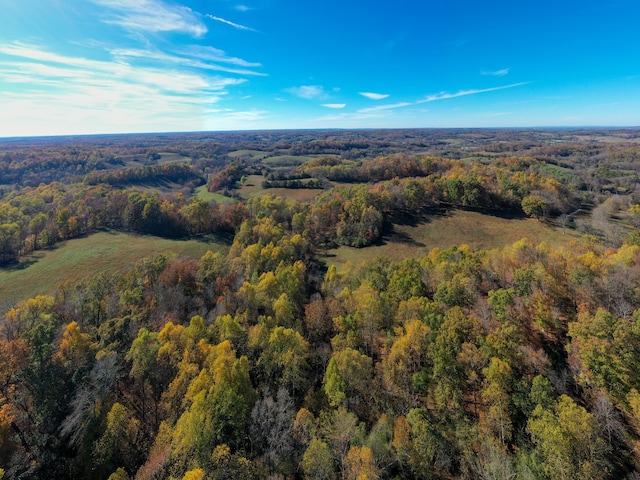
(253, 187)
(107, 252)
(457, 227)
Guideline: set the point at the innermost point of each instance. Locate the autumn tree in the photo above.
(534, 206)
(567, 441)
(347, 380)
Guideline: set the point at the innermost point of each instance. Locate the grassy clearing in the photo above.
(607, 138)
(163, 187)
(286, 160)
(254, 154)
(560, 173)
(253, 187)
(299, 194)
(81, 258)
(458, 227)
(204, 194)
(166, 157)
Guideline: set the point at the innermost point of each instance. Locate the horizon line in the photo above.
(319, 129)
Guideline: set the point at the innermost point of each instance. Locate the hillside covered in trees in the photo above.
(267, 360)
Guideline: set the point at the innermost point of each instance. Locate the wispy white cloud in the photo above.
(234, 25)
(94, 96)
(242, 8)
(308, 92)
(35, 62)
(19, 49)
(246, 116)
(385, 107)
(153, 16)
(334, 105)
(351, 120)
(191, 57)
(462, 93)
(215, 55)
(374, 96)
(495, 73)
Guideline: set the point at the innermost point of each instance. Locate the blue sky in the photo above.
(110, 66)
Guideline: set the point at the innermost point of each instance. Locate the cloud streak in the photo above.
(35, 62)
(374, 96)
(495, 73)
(463, 93)
(228, 22)
(191, 57)
(94, 96)
(334, 105)
(152, 16)
(385, 107)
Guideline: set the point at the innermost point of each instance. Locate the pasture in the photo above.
(202, 193)
(457, 227)
(253, 187)
(106, 252)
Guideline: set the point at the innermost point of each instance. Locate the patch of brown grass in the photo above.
(481, 232)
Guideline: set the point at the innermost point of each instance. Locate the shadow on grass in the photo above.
(225, 238)
(22, 264)
(420, 217)
(399, 237)
(428, 215)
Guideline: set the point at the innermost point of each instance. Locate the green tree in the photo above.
(230, 466)
(118, 444)
(497, 389)
(348, 379)
(448, 373)
(37, 225)
(534, 206)
(145, 373)
(566, 439)
(9, 241)
(285, 358)
(317, 462)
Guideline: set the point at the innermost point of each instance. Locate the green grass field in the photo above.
(81, 258)
(255, 154)
(201, 192)
(253, 187)
(286, 160)
(167, 157)
(458, 227)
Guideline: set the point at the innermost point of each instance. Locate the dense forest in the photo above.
(267, 360)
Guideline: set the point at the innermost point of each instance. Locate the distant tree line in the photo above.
(173, 172)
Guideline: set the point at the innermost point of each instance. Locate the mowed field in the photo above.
(481, 232)
(81, 258)
(253, 187)
(204, 194)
